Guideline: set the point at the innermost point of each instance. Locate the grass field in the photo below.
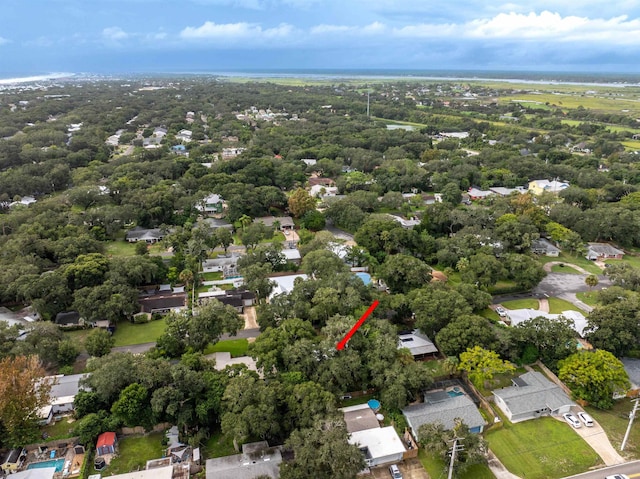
(122, 248)
(437, 467)
(627, 258)
(237, 347)
(521, 304)
(59, 429)
(588, 297)
(128, 333)
(217, 276)
(564, 268)
(218, 446)
(574, 100)
(543, 448)
(489, 314)
(557, 306)
(632, 145)
(576, 260)
(134, 452)
(615, 421)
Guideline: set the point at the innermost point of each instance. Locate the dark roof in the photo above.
(68, 318)
(168, 301)
(234, 301)
(12, 456)
(321, 181)
(144, 233)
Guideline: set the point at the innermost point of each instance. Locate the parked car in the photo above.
(395, 471)
(586, 419)
(617, 476)
(501, 311)
(572, 420)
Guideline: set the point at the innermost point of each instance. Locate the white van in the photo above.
(586, 419)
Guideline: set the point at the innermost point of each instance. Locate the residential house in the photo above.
(215, 223)
(632, 367)
(257, 459)
(477, 194)
(502, 191)
(229, 153)
(316, 180)
(69, 319)
(420, 345)
(224, 359)
(321, 190)
(283, 284)
(163, 303)
(379, 445)
(63, 391)
(544, 247)
(165, 472)
(444, 407)
(12, 460)
(184, 135)
(517, 316)
(537, 187)
(149, 236)
(238, 299)
(106, 444)
(405, 223)
(13, 319)
(602, 251)
(292, 255)
(531, 396)
(226, 264)
(211, 204)
(309, 161)
(285, 222)
(38, 473)
(24, 201)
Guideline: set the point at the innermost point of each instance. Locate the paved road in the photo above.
(557, 283)
(338, 233)
(632, 469)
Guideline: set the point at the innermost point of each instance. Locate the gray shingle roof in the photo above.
(445, 413)
(539, 393)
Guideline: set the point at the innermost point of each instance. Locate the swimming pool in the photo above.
(365, 277)
(57, 463)
(455, 392)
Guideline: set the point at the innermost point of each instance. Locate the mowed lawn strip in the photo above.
(128, 333)
(614, 421)
(557, 306)
(568, 259)
(543, 448)
(564, 268)
(134, 452)
(436, 467)
(237, 347)
(529, 303)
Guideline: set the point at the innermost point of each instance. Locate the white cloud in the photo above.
(375, 28)
(114, 34)
(236, 31)
(3, 41)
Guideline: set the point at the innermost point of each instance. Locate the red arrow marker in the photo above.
(340, 346)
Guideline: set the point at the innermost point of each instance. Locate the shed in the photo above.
(106, 443)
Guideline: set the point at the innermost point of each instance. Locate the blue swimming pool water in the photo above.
(57, 463)
(453, 393)
(374, 404)
(365, 277)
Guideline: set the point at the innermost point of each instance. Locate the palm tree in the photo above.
(591, 281)
(244, 220)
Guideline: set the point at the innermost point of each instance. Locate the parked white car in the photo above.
(501, 311)
(586, 419)
(617, 476)
(572, 420)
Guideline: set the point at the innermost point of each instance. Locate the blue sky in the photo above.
(112, 36)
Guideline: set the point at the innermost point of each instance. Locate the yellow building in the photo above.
(537, 187)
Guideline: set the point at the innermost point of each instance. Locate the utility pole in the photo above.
(454, 449)
(632, 416)
(367, 103)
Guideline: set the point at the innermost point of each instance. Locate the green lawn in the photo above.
(78, 336)
(564, 268)
(557, 306)
(627, 258)
(237, 347)
(588, 297)
(615, 421)
(59, 429)
(218, 446)
(504, 287)
(490, 314)
(529, 303)
(436, 467)
(134, 452)
(357, 400)
(577, 260)
(217, 276)
(128, 333)
(122, 248)
(541, 448)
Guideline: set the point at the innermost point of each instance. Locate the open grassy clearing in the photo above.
(563, 268)
(59, 429)
(489, 314)
(631, 145)
(541, 448)
(615, 421)
(557, 306)
(529, 303)
(437, 467)
(588, 297)
(128, 333)
(627, 258)
(218, 446)
(237, 347)
(77, 337)
(122, 248)
(134, 452)
(581, 261)
(600, 102)
(216, 276)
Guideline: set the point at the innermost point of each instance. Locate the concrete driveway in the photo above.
(410, 469)
(597, 439)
